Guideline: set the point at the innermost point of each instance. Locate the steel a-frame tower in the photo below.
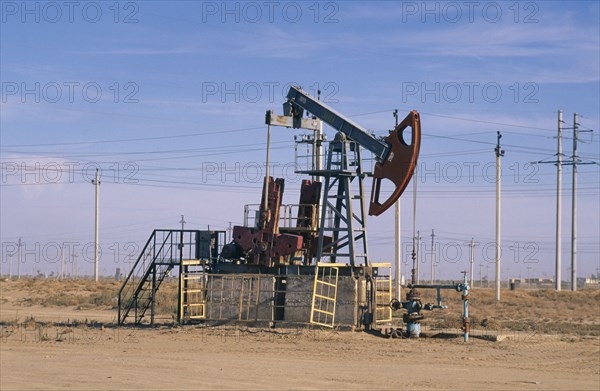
(342, 211)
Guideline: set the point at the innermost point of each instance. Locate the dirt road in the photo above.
(45, 348)
(227, 358)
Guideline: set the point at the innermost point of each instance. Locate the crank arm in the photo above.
(399, 165)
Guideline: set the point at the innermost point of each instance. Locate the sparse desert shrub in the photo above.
(541, 311)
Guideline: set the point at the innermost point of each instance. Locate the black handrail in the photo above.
(173, 237)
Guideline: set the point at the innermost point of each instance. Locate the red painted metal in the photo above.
(264, 245)
(400, 164)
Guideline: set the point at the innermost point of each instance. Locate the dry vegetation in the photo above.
(79, 293)
(541, 311)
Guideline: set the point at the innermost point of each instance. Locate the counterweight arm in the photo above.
(299, 100)
(396, 159)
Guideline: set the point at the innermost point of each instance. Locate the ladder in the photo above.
(192, 293)
(382, 280)
(324, 295)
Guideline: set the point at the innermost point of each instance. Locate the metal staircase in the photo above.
(164, 250)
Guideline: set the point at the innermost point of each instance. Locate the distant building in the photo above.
(588, 282)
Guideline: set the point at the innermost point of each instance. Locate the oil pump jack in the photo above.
(330, 219)
(248, 279)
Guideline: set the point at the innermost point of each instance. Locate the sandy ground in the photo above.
(51, 353)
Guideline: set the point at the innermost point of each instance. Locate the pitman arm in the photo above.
(396, 159)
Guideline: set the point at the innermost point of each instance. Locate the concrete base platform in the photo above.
(287, 298)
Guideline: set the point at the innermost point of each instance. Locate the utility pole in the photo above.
(480, 275)
(558, 271)
(182, 222)
(499, 153)
(398, 249)
(96, 183)
(10, 267)
(575, 161)
(574, 210)
(415, 260)
(73, 266)
(419, 255)
(62, 264)
(472, 259)
(432, 254)
(559, 163)
(528, 277)
(398, 231)
(19, 260)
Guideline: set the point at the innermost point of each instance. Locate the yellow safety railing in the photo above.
(325, 294)
(383, 292)
(193, 297)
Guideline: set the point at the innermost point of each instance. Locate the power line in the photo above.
(125, 140)
(197, 134)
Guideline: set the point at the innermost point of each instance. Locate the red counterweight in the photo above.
(264, 245)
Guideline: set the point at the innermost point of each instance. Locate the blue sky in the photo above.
(168, 99)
